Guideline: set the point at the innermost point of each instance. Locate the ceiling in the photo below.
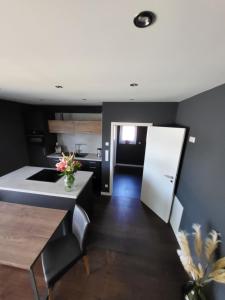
(94, 51)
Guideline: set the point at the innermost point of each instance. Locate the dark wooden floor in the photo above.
(132, 254)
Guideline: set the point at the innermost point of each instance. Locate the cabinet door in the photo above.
(94, 127)
(52, 162)
(61, 126)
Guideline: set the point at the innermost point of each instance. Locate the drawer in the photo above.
(92, 163)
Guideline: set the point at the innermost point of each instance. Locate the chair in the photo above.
(61, 254)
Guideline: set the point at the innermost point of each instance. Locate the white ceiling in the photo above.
(93, 49)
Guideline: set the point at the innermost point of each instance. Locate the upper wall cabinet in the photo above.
(64, 126)
(59, 126)
(94, 127)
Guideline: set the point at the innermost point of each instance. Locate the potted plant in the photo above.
(67, 165)
(201, 267)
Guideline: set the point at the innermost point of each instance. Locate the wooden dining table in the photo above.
(24, 233)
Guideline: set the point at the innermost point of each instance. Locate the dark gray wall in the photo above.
(157, 113)
(70, 108)
(201, 187)
(13, 151)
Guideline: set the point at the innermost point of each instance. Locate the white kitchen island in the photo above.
(16, 188)
(17, 181)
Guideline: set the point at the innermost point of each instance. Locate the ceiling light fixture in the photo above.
(144, 19)
(84, 99)
(131, 99)
(134, 84)
(58, 86)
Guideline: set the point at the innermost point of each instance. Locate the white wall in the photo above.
(68, 141)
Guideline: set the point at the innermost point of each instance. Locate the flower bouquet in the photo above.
(201, 269)
(67, 165)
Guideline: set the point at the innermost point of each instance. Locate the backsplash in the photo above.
(92, 141)
(68, 141)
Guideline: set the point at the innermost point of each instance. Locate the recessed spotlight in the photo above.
(144, 19)
(134, 84)
(131, 99)
(84, 99)
(58, 86)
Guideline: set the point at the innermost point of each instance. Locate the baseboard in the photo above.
(128, 165)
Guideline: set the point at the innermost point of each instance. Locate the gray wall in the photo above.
(157, 113)
(201, 187)
(13, 151)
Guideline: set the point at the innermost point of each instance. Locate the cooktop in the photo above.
(46, 175)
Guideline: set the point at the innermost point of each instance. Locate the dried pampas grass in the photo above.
(218, 276)
(219, 264)
(202, 274)
(195, 272)
(198, 239)
(211, 244)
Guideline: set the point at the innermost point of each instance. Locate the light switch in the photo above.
(192, 139)
(106, 155)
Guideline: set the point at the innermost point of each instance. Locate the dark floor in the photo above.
(132, 254)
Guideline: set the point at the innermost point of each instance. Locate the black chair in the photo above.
(61, 254)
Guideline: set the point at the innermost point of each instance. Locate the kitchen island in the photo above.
(17, 188)
(90, 162)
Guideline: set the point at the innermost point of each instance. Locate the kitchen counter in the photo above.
(16, 181)
(90, 156)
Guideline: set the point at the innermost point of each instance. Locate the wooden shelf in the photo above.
(61, 126)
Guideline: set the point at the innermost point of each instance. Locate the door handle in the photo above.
(169, 176)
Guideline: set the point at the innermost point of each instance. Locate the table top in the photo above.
(24, 232)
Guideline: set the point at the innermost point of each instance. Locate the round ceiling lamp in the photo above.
(144, 19)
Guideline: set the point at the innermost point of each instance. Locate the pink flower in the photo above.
(61, 165)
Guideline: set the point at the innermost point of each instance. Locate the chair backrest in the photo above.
(80, 225)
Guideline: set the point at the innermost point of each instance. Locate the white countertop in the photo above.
(16, 181)
(90, 156)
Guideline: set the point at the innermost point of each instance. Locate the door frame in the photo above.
(114, 126)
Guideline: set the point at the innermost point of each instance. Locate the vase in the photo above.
(192, 291)
(69, 182)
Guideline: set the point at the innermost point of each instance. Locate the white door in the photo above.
(162, 157)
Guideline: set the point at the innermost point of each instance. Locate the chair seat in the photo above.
(59, 256)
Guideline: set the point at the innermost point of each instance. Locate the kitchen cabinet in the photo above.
(95, 167)
(94, 127)
(65, 126)
(39, 141)
(60, 126)
(52, 162)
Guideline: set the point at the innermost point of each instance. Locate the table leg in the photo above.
(34, 284)
(34, 287)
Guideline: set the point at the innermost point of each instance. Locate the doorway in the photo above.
(128, 142)
(162, 156)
